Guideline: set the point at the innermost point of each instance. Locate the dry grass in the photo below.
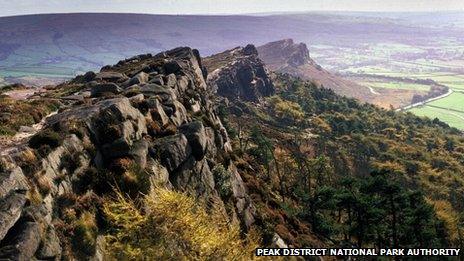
(173, 226)
(33, 196)
(17, 113)
(85, 234)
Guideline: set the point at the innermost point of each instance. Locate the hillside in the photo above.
(173, 156)
(285, 56)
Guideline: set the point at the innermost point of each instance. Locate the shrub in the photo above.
(286, 109)
(153, 128)
(43, 184)
(5, 131)
(91, 178)
(33, 196)
(28, 161)
(129, 177)
(222, 180)
(171, 129)
(45, 139)
(110, 133)
(3, 166)
(70, 162)
(172, 227)
(135, 180)
(85, 234)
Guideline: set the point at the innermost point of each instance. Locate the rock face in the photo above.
(157, 122)
(286, 56)
(239, 74)
(275, 54)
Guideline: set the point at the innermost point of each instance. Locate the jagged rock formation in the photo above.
(151, 112)
(239, 74)
(284, 53)
(285, 56)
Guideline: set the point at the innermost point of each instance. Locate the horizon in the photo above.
(239, 7)
(244, 14)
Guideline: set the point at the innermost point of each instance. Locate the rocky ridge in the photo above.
(285, 53)
(286, 56)
(238, 74)
(151, 113)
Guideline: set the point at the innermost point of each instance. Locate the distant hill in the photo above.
(285, 56)
(63, 45)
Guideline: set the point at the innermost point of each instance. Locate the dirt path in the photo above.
(23, 94)
(10, 145)
(372, 90)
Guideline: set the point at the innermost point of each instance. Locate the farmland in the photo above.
(412, 67)
(392, 54)
(455, 119)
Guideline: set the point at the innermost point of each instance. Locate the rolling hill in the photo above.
(63, 45)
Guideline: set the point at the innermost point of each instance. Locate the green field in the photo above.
(454, 119)
(454, 102)
(397, 85)
(376, 61)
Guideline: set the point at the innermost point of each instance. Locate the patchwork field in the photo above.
(407, 68)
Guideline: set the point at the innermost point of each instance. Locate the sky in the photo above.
(18, 7)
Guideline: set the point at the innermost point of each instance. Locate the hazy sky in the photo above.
(15, 7)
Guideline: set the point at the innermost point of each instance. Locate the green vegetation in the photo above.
(85, 234)
(398, 85)
(453, 118)
(453, 102)
(222, 181)
(77, 226)
(17, 113)
(286, 110)
(45, 141)
(371, 178)
(173, 226)
(449, 109)
(397, 59)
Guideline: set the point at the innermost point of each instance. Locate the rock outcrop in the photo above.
(239, 74)
(286, 56)
(148, 122)
(277, 53)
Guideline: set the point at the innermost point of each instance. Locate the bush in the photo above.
(135, 180)
(222, 180)
(3, 166)
(5, 131)
(286, 109)
(43, 184)
(28, 161)
(47, 139)
(85, 234)
(129, 177)
(172, 227)
(70, 162)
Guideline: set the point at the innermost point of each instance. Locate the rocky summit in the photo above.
(239, 74)
(285, 52)
(152, 112)
(286, 56)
